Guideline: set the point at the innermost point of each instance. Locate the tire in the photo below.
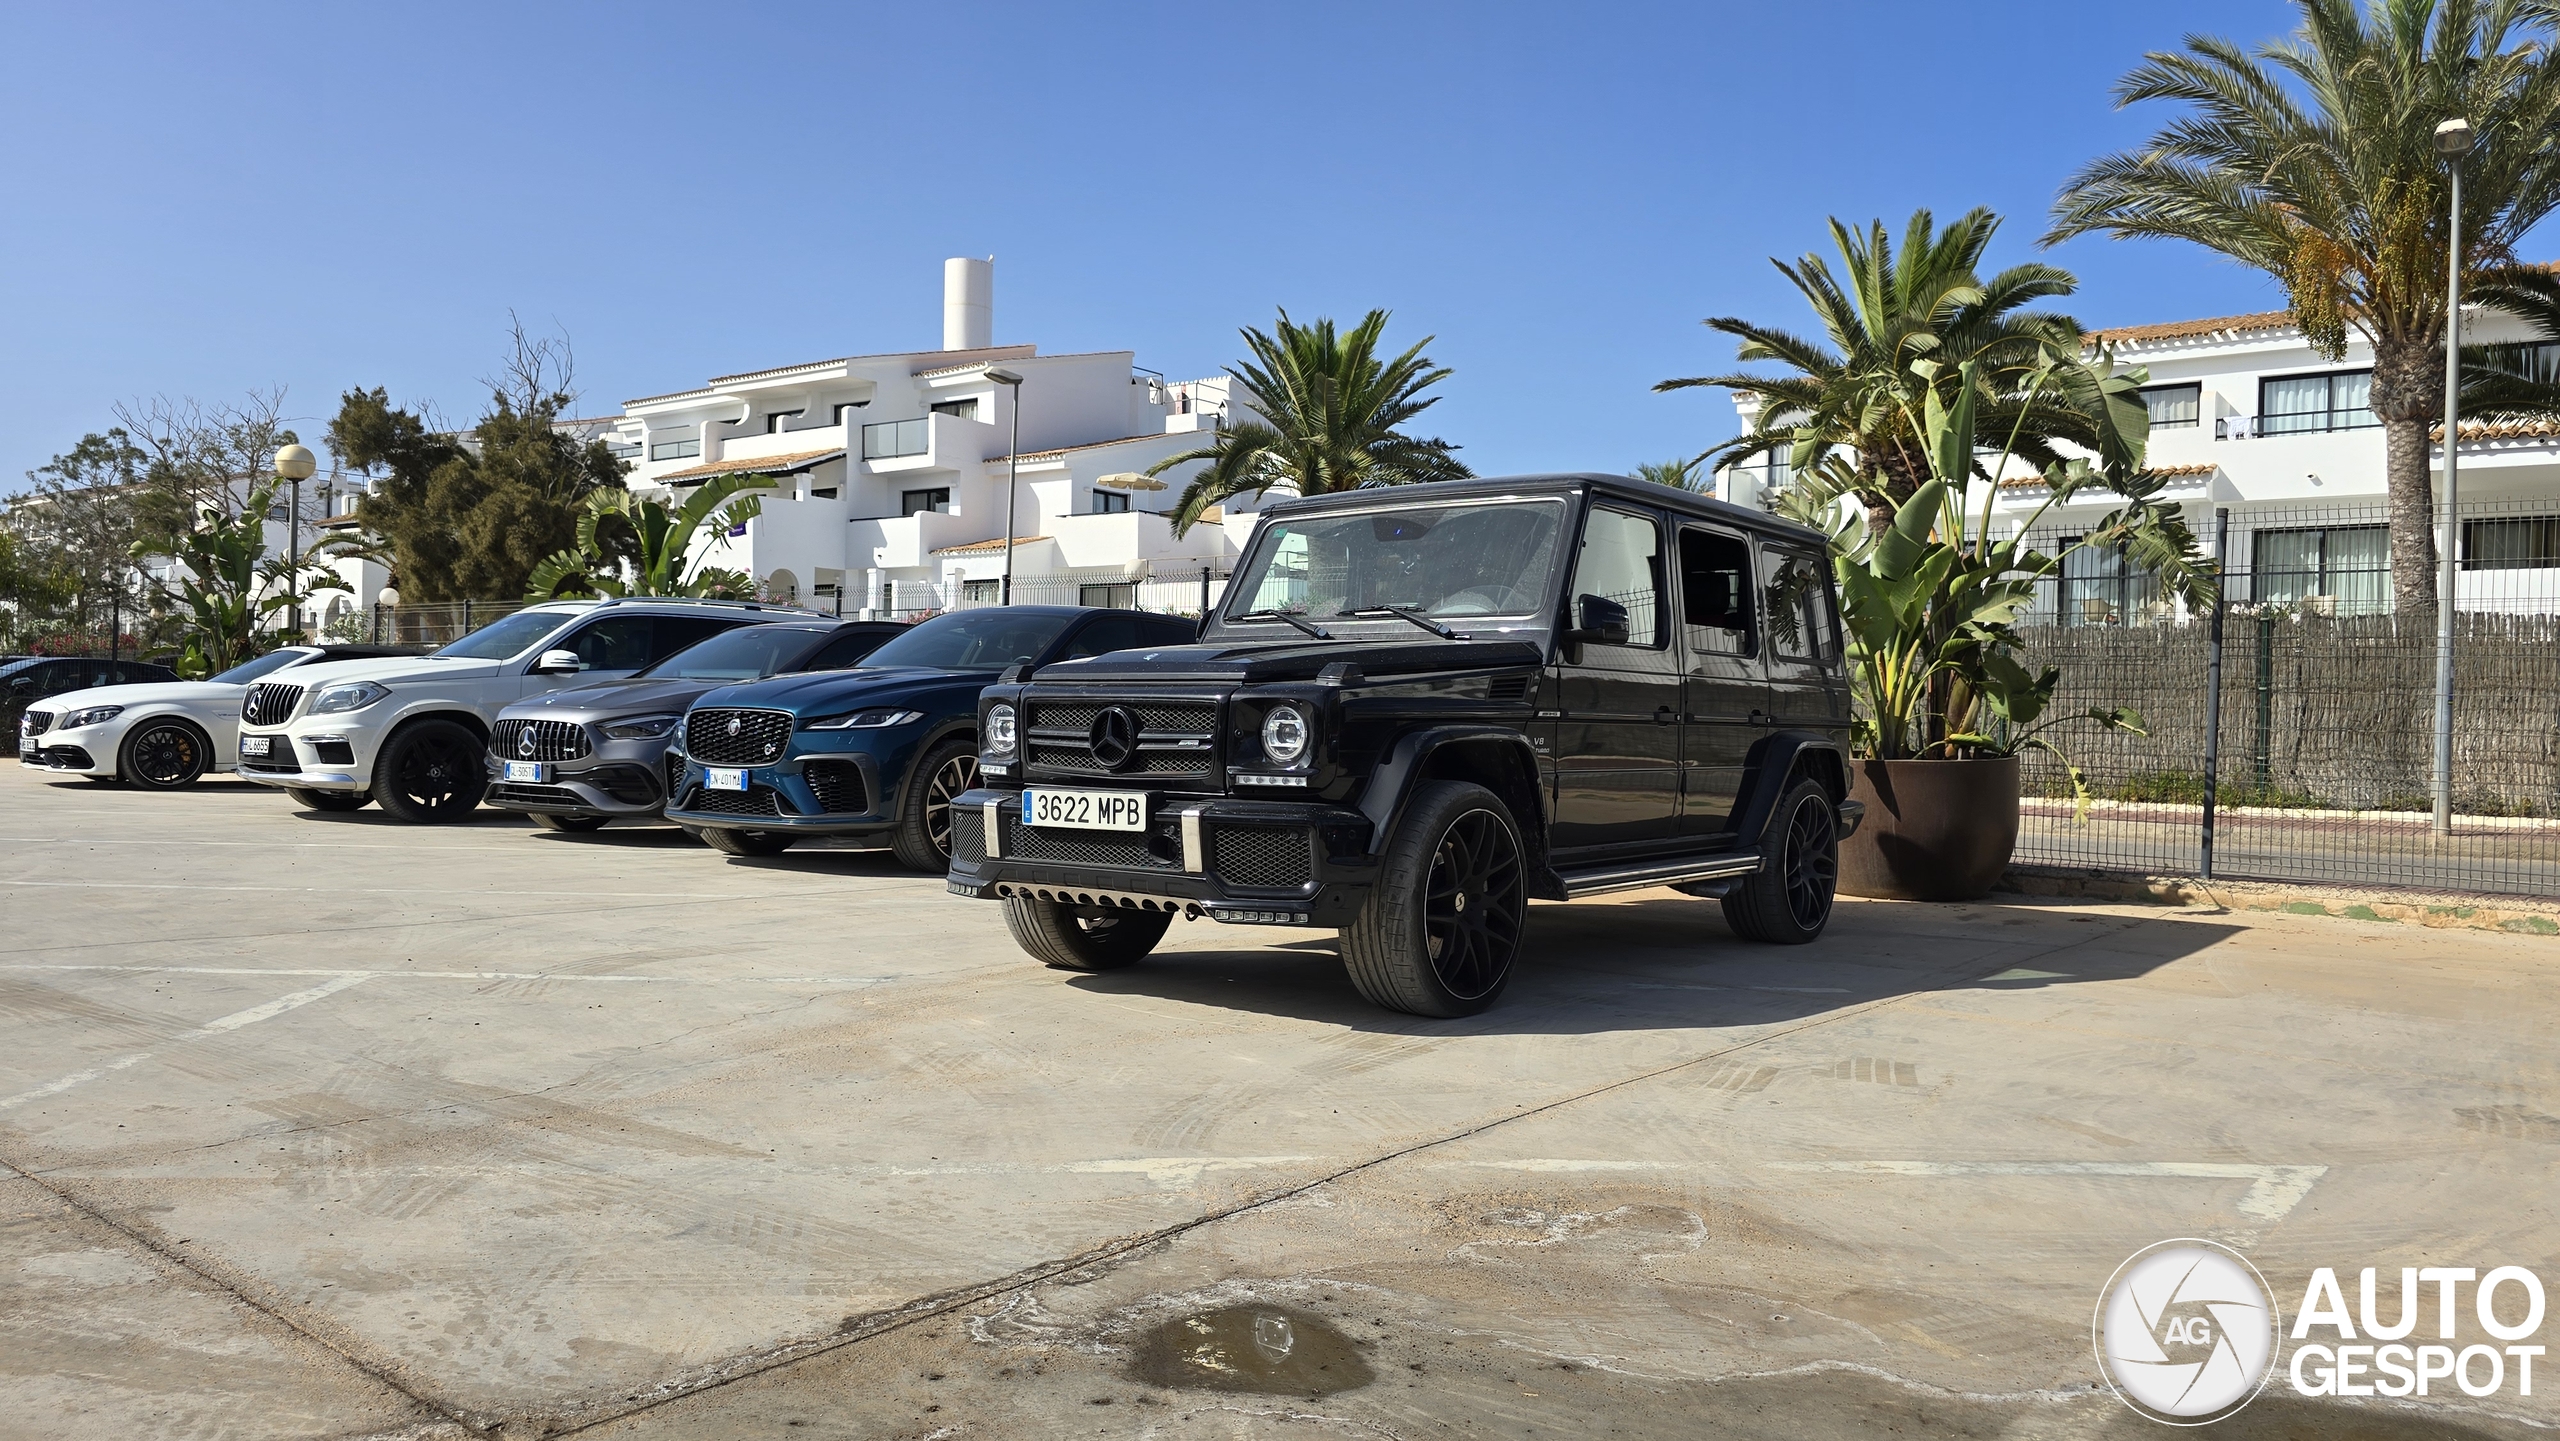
(573, 824)
(164, 755)
(431, 773)
(1439, 934)
(922, 840)
(746, 843)
(334, 801)
(1787, 901)
(1083, 938)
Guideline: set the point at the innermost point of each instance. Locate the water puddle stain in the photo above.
(1271, 1350)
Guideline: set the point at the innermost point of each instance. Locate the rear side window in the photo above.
(674, 632)
(619, 643)
(848, 649)
(1167, 630)
(1716, 592)
(1797, 600)
(1105, 634)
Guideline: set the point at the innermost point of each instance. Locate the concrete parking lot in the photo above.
(327, 1127)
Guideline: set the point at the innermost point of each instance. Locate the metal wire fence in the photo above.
(2319, 737)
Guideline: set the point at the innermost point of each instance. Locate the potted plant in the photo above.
(1929, 603)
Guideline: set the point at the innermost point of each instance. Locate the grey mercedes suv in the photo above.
(575, 759)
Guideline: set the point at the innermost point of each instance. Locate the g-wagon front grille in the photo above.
(1156, 850)
(1158, 739)
(538, 740)
(270, 703)
(736, 737)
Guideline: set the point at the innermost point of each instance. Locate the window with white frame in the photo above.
(2174, 407)
(675, 449)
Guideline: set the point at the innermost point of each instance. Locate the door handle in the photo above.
(1763, 718)
(1663, 715)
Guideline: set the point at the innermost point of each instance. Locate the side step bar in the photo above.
(1656, 873)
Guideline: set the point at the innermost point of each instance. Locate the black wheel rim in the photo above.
(1474, 904)
(1813, 862)
(165, 756)
(437, 773)
(950, 780)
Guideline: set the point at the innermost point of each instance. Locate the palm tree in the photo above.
(1846, 402)
(1678, 474)
(2313, 159)
(2503, 382)
(659, 541)
(1329, 411)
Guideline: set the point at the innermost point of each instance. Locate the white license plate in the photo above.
(530, 772)
(254, 745)
(1086, 810)
(716, 779)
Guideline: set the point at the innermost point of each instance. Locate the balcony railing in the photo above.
(891, 439)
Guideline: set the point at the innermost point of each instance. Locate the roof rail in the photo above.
(708, 600)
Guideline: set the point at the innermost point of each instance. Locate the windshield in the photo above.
(973, 640)
(748, 653)
(271, 662)
(1483, 558)
(512, 636)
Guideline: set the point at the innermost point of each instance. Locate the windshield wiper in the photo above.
(1319, 632)
(1400, 613)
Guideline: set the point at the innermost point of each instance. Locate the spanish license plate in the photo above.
(529, 772)
(715, 778)
(1086, 810)
(254, 745)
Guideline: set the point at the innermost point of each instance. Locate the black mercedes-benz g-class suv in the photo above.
(1416, 710)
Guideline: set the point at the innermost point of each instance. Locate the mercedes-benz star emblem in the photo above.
(524, 741)
(1115, 737)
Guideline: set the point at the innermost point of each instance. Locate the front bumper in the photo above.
(1240, 861)
(828, 783)
(336, 758)
(624, 780)
(50, 753)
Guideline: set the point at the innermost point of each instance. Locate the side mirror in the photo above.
(558, 662)
(1598, 620)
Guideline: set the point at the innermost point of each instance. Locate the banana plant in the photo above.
(659, 542)
(1931, 601)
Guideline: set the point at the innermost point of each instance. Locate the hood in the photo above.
(610, 700)
(1299, 658)
(828, 691)
(146, 693)
(388, 670)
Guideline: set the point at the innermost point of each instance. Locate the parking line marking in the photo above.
(217, 1026)
(354, 976)
(2273, 1190)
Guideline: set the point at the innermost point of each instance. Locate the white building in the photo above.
(892, 468)
(2245, 416)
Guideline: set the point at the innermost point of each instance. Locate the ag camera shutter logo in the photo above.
(2185, 1332)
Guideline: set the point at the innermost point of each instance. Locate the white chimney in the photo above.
(968, 303)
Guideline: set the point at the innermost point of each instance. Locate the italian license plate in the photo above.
(1086, 810)
(530, 772)
(254, 745)
(715, 778)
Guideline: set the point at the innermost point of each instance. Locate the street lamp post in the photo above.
(295, 463)
(2453, 141)
(1012, 468)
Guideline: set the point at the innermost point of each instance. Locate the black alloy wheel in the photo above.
(1788, 900)
(922, 840)
(163, 755)
(431, 773)
(1439, 934)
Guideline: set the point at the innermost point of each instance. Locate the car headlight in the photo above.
(1284, 734)
(1001, 736)
(94, 715)
(355, 695)
(866, 720)
(641, 728)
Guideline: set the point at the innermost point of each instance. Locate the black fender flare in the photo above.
(1411, 760)
(1775, 761)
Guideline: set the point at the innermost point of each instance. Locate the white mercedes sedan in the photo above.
(165, 735)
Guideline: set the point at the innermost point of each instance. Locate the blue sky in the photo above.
(209, 199)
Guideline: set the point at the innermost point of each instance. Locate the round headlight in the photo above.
(1284, 734)
(1000, 733)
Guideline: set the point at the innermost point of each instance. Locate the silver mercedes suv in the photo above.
(575, 759)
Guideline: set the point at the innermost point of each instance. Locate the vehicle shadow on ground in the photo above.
(375, 816)
(1649, 964)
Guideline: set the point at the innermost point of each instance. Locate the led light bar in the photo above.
(1248, 778)
(1257, 918)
